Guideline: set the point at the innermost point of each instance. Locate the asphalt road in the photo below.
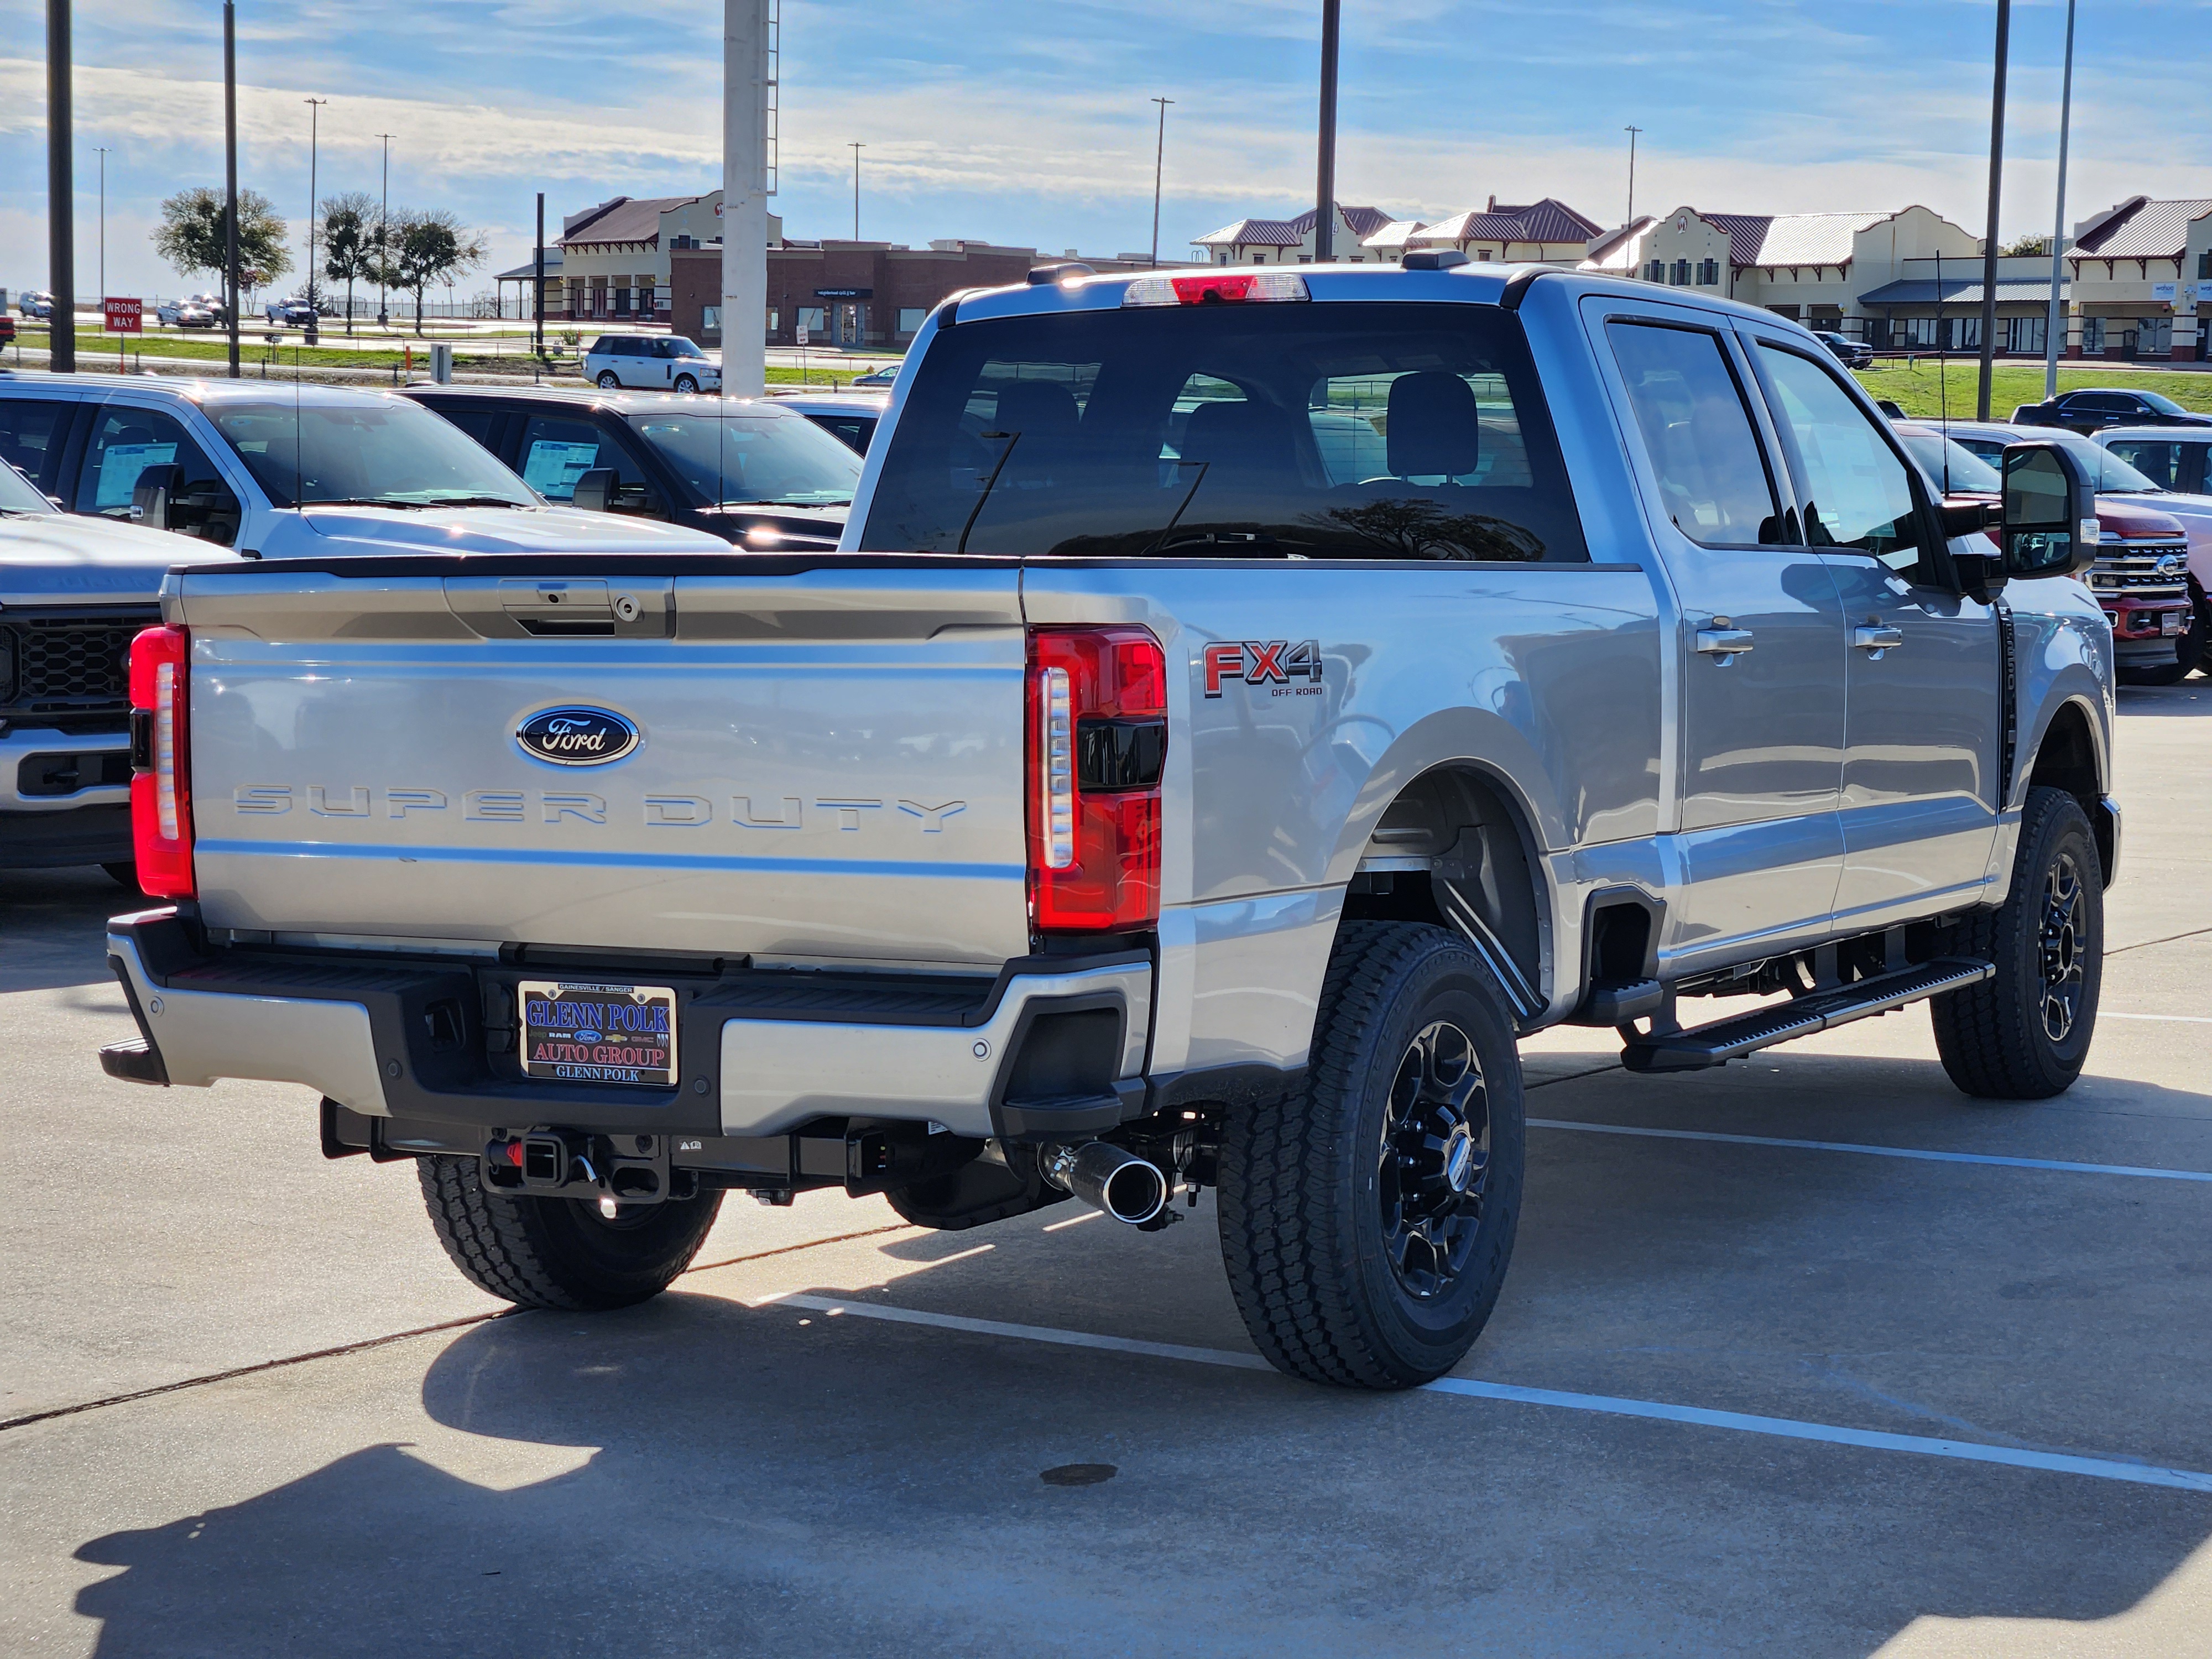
(1739, 1396)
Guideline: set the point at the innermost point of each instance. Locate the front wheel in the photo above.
(2024, 1034)
(1367, 1220)
(556, 1252)
(608, 381)
(685, 384)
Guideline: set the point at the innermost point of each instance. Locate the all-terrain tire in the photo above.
(2005, 1039)
(1313, 1187)
(556, 1252)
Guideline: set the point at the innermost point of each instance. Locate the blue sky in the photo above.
(1028, 124)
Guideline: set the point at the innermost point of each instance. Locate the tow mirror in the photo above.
(2050, 526)
(595, 490)
(151, 495)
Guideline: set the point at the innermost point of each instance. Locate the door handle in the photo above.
(1876, 637)
(1722, 642)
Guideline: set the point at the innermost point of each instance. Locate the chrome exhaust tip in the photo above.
(1122, 1185)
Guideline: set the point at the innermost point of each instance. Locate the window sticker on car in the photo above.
(552, 467)
(120, 466)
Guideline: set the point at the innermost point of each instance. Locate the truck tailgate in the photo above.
(826, 763)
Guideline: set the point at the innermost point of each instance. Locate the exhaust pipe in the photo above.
(1107, 1178)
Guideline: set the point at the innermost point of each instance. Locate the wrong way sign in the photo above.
(123, 316)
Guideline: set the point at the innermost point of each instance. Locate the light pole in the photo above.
(61, 196)
(230, 172)
(100, 150)
(1325, 169)
(2055, 330)
(314, 112)
(1989, 245)
(383, 218)
(856, 148)
(1630, 222)
(1159, 155)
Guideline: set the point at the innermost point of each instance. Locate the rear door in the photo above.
(827, 763)
(1923, 675)
(1761, 649)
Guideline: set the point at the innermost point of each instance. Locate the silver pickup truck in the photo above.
(1245, 704)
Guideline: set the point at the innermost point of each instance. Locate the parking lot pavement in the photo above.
(1765, 1331)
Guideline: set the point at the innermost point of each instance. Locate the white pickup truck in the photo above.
(1245, 703)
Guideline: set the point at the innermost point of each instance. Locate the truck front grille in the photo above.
(73, 664)
(2134, 570)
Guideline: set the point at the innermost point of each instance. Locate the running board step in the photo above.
(1820, 1010)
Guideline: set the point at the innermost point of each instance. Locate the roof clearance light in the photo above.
(1216, 287)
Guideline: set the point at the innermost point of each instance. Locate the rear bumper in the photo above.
(1050, 1047)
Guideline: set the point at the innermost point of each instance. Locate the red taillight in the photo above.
(1096, 740)
(160, 760)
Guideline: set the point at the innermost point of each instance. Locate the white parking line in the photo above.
(2100, 1468)
(1924, 1156)
(2178, 1020)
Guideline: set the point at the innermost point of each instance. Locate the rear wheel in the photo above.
(2025, 1034)
(556, 1252)
(1367, 1220)
(608, 380)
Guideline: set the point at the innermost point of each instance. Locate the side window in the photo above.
(125, 443)
(556, 452)
(31, 434)
(1712, 473)
(603, 346)
(1857, 491)
(2161, 463)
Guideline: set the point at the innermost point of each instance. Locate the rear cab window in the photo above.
(1359, 430)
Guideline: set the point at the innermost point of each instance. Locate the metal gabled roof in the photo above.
(2140, 229)
(1792, 239)
(1547, 220)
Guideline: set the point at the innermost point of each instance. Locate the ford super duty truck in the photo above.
(1243, 704)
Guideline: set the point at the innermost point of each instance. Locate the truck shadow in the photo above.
(53, 925)
(758, 1479)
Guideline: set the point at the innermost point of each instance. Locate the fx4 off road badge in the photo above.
(1265, 662)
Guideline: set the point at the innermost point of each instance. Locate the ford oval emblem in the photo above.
(576, 736)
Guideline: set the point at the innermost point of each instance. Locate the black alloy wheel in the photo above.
(2062, 939)
(2024, 1033)
(1367, 1217)
(1434, 1161)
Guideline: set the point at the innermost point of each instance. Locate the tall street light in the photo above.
(1324, 171)
(314, 115)
(61, 196)
(1159, 155)
(100, 150)
(383, 218)
(2054, 330)
(856, 148)
(1989, 245)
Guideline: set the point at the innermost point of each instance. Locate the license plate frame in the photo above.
(597, 1031)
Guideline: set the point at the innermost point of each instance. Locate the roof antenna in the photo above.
(1942, 375)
